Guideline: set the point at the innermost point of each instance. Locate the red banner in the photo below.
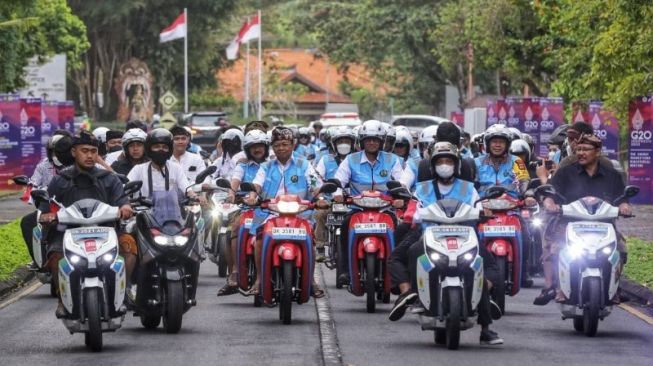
(67, 116)
(10, 149)
(458, 118)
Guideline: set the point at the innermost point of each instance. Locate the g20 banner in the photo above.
(497, 112)
(10, 138)
(551, 115)
(606, 127)
(30, 133)
(640, 139)
(67, 116)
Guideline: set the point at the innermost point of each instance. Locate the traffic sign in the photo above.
(167, 120)
(168, 100)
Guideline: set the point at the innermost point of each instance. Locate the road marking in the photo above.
(637, 313)
(331, 355)
(26, 290)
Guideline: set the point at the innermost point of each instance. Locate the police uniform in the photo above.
(509, 174)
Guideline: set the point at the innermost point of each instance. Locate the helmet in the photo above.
(529, 140)
(516, 134)
(371, 129)
(158, 136)
(519, 147)
(62, 157)
(404, 137)
(390, 137)
(234, 134)
(444, 149)
(494, 131)
(100, 133)
(340, 132)
(304, 132)
(324, 135)
(559, 135)
(50, 146)
(255, 137)
(133, 135)
(426, 137)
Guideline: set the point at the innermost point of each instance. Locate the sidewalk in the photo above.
(11, 208)
(640, 226)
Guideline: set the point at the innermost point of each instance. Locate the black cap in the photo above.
(114, 134)
(177, 130)
(85, 138)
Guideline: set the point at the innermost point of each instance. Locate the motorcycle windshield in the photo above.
(166, 210)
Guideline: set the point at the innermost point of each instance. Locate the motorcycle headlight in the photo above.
(371, 202)
(180, 240)
(606, 250)
(499, 204)
(76, 261)
(161, 240)
(215, 213)
(285, 207)
(195, 208)
(576, 250)
(537, 222)
(465, 260)
(107, 258)
(439, 260)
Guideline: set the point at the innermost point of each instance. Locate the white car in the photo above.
(417, 122)
(340, 119)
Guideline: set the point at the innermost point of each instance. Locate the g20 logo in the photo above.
(547, 124)
(46, 126)
(641, 135)
(602, 134)
(530, 124)
(27, 131)
(4, 126)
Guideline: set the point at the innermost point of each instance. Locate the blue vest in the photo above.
(414, 153)
(250, 168)
(305, 150)
(503, 176)
(330, 166)
(364, 175)
(462, 190)
(319, 153)
(294, 178)
(413, 165)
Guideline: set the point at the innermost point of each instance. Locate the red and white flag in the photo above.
(175, 31)
(249, 31)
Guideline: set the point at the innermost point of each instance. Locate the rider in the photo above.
(403, 146)
(304, 147)
(191, 163)
(80, 181)
(231, 144)
(402, 264)
(369, 169)
(390, 137)
(257, 150)
(318, 128)
(133, 144)
(286, 174)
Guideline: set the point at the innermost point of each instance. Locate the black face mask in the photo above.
(115, 148)
(159, 157)
(102, 149)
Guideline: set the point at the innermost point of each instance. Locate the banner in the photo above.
(497, 112)
(529, 116)
(67, 116)
(30, 133)
(10, 149)
(606, 127)
(640, 138)
(515, 109)
(458, 118)
(551, 115)
(49, 122)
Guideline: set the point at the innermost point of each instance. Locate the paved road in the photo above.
(12, 207)
(229, 331)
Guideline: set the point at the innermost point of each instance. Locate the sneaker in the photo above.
(320, 257)
(495, 310)
(417, 307)
(61, 311)
(399, 309)
(545, 297)
(490, 338)
(343, 279)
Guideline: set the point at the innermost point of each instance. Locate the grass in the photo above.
(13, 252)
(9, 192)
(640, 261)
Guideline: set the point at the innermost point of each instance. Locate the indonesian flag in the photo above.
(249, 31)
(175, 31)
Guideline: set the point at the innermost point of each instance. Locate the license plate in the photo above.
(248, 223)
(288, 233)
(339, 207)
(81, 234)
(447, 231)
(496, 231)
(335, 220)
(90, 246)
(371, 228)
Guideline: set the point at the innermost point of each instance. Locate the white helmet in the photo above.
(426, 138)
(133, 135)
(515, 133)
(304, 131)
(233, 134)
(518, 147)
(404, 136)
(369, 129)
(100, 133)
(340, 132)
(497, 130)
(254, 137)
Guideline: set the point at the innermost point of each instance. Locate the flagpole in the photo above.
(246, 98)
(186, 63)
(260, 70)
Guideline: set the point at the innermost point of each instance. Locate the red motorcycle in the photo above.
(245, 252)
(502, 237)
(287, 256)
(371, 241)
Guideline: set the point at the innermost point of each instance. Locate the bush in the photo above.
(13, 252)
(640, 262)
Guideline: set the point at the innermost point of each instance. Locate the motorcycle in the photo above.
(589, 265)
(502, 236)
(222, 214)
(38, 243)
(450, 274)
(333, 224)
(91, 273)
(168, 268)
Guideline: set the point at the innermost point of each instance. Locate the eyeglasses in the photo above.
(585, 149)
(277, 145)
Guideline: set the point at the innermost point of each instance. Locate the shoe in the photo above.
(320, 257)
(61, 311)
(495, 310)
(399, 309)
(343, 279)
(417, 307)
(33, 267)
(545, 296)
(490, 338)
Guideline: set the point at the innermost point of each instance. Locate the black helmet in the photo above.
(158, 136)
(61, 151)
(558, 135)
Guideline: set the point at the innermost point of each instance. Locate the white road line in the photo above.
(32, 286)
(331, 355)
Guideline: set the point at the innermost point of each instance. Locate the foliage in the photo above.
(13, 252)
(640, 262)
(209, 98)
(282, 95)
(38, 28)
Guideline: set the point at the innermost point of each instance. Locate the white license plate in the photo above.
(248, 223)
(449, 231)
(288, 233)
(494, 231)
(371, 228)
(339, 207)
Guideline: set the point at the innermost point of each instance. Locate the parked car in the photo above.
(340, 119)
(417, 122)
(204, 126)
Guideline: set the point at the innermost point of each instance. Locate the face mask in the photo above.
(552, 154)
(115, 148)
(343, 149)
(159, 157)
(569, 150)
(444, 170)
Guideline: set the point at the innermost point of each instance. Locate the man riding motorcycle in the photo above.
(133, 144)
(369, 169)
(191, 163)
(403, 260)
(82, 180)
(304, 147)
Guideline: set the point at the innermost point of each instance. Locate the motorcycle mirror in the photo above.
(335, 181)
(223, 183)
(328, 187)
(631, 191)
(146, 202)
(39, 196)
(247, 187)
(205, 173)
(400, 193)
(21, 180)
(123, 178)
(132, 187)
(495, 192)
(393, 184)
(534, 183)
(204, 154)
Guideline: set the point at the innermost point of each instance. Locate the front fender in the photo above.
(173, 274)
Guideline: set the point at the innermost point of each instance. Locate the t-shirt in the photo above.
(573, 182)
(177, 178)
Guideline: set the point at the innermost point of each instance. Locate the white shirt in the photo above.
(310, 174)
(225, 167)
(407, 177)
(177, 178)
(112, 157)
(343, 174)
(191, 163)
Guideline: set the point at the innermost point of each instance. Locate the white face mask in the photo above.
(444, 170)
(552, 155)
(343, 149)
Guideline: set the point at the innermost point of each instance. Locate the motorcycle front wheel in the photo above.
(370, 285)
(454, 299)
(174, 307)
(93, 338)
(593, 307)
(285, 305)
(223, 242)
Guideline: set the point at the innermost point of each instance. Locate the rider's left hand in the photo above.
(625, 209)
(126, 212)
(530, 201)
(398, 203)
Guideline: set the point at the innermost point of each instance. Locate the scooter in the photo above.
(334, 222)
(502, 236)
(38, 243)
(91, 273)
(168, 268)
(589, 265)
(222, 214)
(450, 274)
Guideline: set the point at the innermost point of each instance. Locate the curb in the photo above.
(19, 278)
(637, 292)
(331, 355)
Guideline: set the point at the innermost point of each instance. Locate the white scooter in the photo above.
(589, 265)
(222, 214)
(91, 273)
